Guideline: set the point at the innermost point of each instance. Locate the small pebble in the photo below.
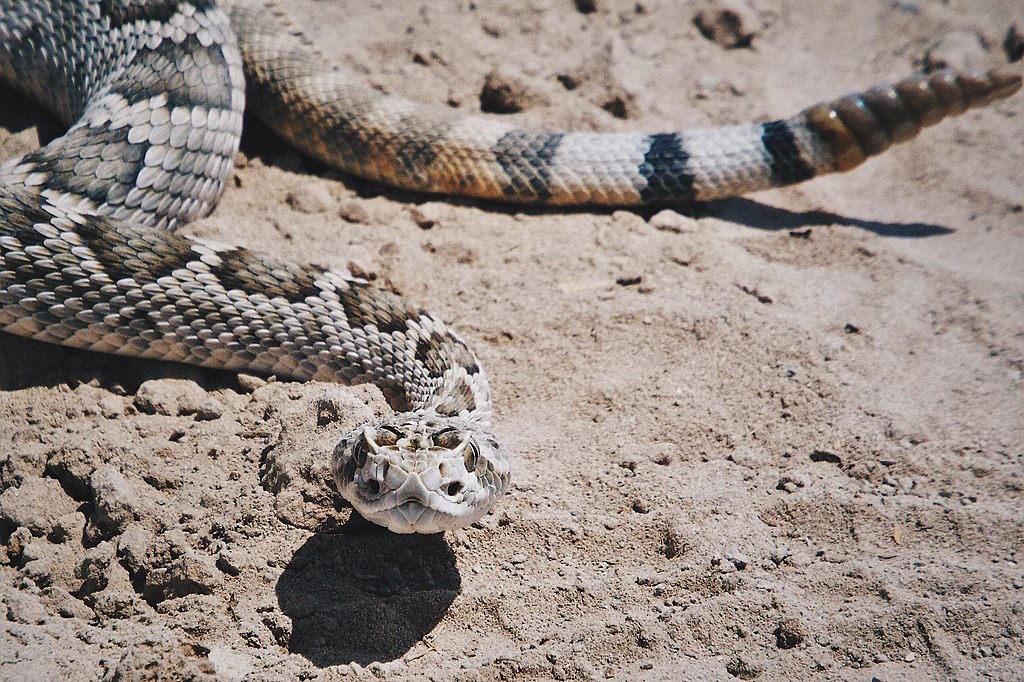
(116, 499)
(230, 562)
(427, 215)
(309, 198)
(169, 397)
(728, 23)
(789, 484)
(37, 504)
(737, 558)
(744, 668)
(209, 409)
(1013, 44)
(908, 6)
(111, 407)
(249, 383)
(670, 221)
(352, 212)
(789, 633)
(503, 93)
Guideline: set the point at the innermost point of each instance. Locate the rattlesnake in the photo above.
(153, 93)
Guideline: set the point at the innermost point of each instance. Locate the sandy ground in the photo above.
(778, 439)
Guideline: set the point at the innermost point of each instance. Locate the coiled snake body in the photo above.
(153, 93)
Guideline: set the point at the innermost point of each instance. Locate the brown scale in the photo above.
(865, 124)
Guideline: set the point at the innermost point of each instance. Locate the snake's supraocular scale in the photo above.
(153, 94)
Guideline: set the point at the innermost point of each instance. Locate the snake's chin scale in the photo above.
(421, 472)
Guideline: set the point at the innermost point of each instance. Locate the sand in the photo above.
(778, 438)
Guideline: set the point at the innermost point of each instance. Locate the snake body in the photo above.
(153, 93)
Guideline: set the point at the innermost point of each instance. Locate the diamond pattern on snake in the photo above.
(153, 93)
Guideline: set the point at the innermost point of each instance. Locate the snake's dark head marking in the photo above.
(416, 473)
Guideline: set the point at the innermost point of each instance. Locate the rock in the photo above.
(249, 383)
(20, 465)
(61, 601)
(111, 406)
(133, 545)
(737, 558)
(798, 560)
(106, 586)
(1013, 44)
(188, 574)
(231, 561)
(116, 500)
(352, 212)
(729, 23)
(68, 528)
(790, 484)
(428, 215)
(621, 105)
(115, 604)
(504, 93)
(670, 221)
(209, 409)
(170, 397)
(789, 633)
(42, 563)
(96, 569)
(309, 198)
(72, 465)
(38, 504)
(744, 668)
(231, 666)
(23, 608)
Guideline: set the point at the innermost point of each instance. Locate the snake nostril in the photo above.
(453, 488)
(372, 487)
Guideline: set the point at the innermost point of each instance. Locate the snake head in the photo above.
(415, 473)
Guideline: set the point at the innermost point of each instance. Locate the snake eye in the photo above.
(359, 452)
(472, 456)
(387, 435)
(447, 438)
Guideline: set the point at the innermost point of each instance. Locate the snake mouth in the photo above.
(413, 517)
(411, 511)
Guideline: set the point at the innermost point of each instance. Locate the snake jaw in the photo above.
(420, 474)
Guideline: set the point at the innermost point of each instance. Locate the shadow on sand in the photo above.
(365, 594)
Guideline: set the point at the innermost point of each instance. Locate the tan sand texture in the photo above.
(778, 438)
